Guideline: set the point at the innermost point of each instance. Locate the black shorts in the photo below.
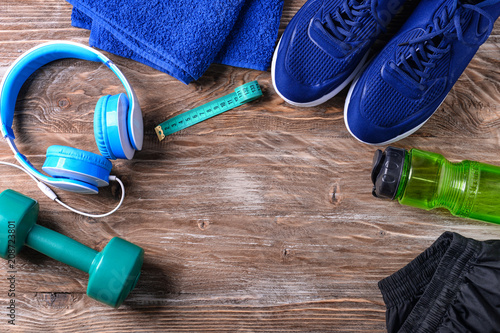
(453, 286)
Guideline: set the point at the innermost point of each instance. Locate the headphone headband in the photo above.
(41, 55)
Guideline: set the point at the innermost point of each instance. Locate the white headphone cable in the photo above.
(20, 168)
(52, 196)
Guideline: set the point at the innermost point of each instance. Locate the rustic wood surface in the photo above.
(258, 220)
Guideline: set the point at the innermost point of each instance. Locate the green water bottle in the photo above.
(427, 180)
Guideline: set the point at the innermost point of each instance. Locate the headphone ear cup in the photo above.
(71, 163)
(100, 128)
(111, 127)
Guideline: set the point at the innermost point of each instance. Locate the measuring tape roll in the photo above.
(242, 94)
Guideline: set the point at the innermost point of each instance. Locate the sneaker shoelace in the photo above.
(340, 24)
(429, 47)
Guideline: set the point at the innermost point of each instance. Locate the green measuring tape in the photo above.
(242, 94)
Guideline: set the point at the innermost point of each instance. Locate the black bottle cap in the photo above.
(386, 172)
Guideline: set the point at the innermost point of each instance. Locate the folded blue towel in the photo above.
(182, 38)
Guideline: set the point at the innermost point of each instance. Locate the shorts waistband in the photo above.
(437, 273)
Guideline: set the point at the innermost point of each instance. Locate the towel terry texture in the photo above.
(182, 38)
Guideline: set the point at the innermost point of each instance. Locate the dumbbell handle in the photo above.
(61, 248)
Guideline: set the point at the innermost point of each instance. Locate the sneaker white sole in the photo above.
(324, 98)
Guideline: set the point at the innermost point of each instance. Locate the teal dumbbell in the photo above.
(113, 272)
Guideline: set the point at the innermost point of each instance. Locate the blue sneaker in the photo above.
(409, 79)
(325, 45)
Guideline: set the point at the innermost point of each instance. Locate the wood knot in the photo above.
(286, 254)
(334, 194)
(203, 225)
(64, 103)
(56, 300)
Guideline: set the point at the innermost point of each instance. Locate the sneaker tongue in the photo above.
(447, 9)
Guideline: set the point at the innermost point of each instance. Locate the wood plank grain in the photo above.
(257, 220)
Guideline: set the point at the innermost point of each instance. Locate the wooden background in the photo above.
(258, 220)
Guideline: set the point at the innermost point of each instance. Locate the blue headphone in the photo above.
(118, 125)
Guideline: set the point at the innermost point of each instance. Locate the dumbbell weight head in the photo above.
(18, 214)
(115, 271)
